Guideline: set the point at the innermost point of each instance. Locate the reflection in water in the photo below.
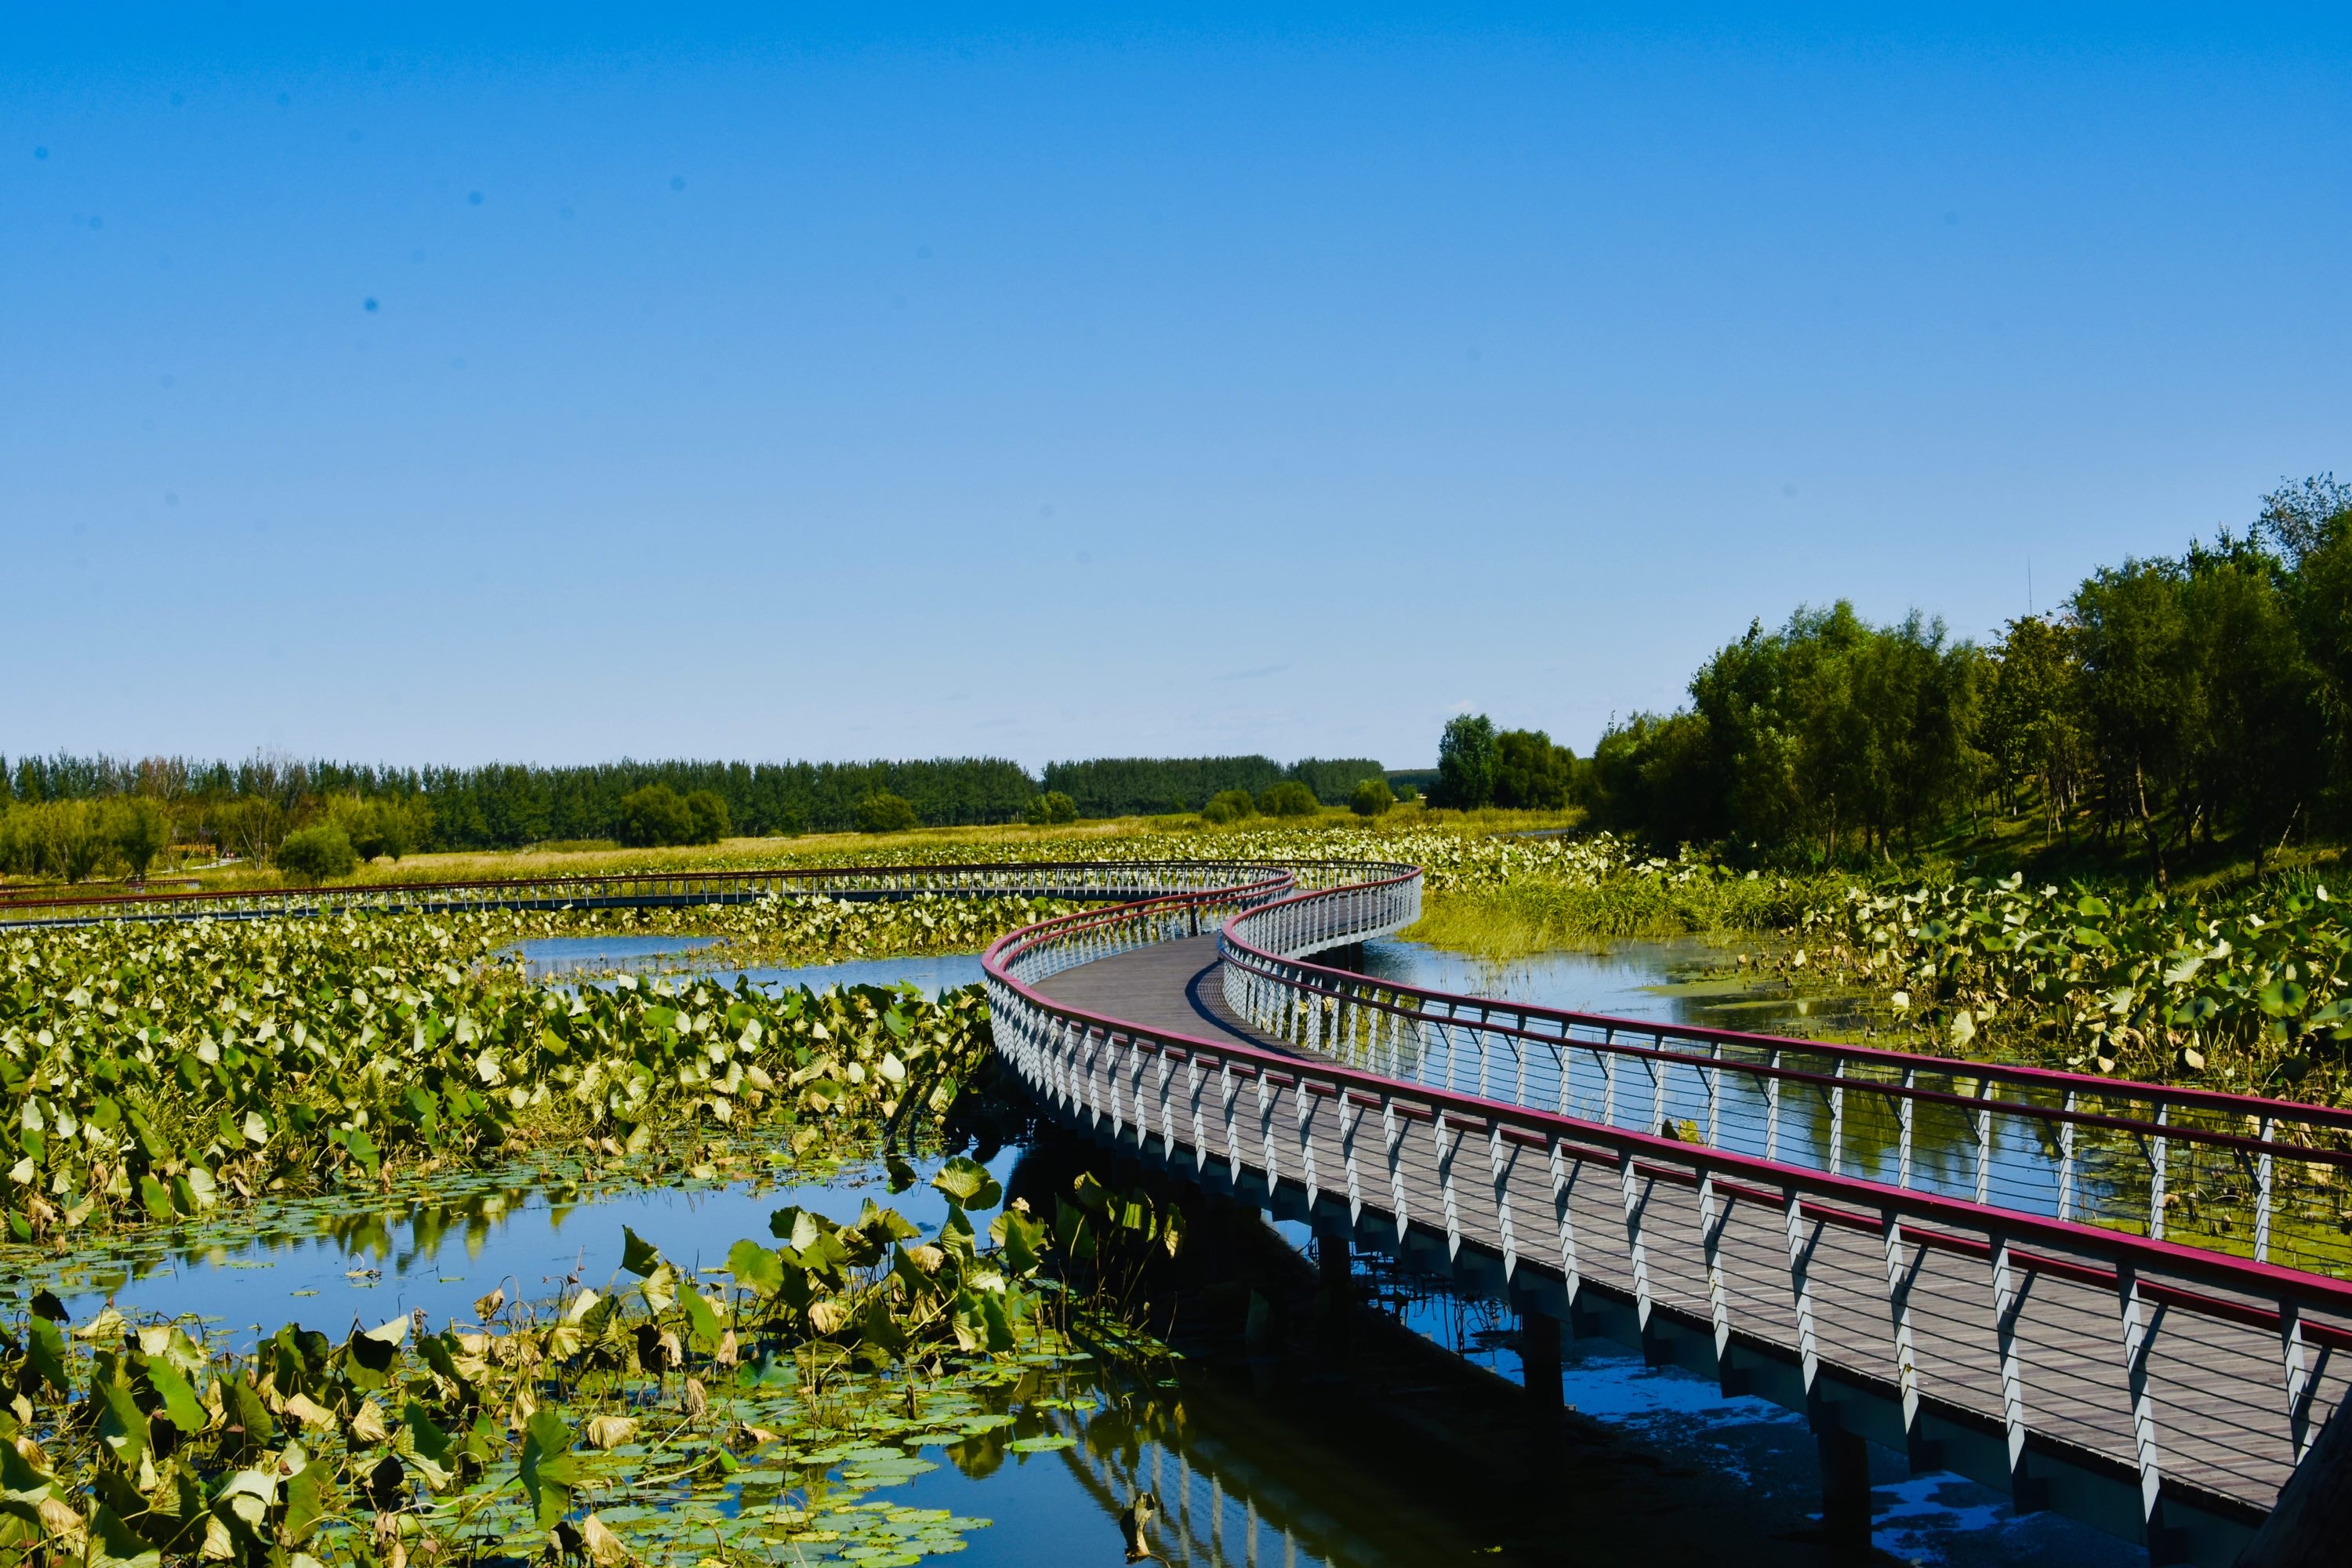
(1678, 980)
(1936, 1518)
(320, 1262)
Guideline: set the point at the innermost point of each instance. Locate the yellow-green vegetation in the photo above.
(161, 1070)
(753, 1417)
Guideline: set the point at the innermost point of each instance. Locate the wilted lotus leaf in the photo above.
(609, 1431)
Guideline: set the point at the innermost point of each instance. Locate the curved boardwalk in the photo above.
(1978, 1305)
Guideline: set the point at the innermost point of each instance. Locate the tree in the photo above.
(2033, 715)
(1466, 763)
(707, 813)
(62, 838)
(314, 853)
(655, 816)
(1530, 772)
(883, 812)
(1371, 797)
(139, 829)
(2141, 688)
(1053, 806)
(1289, 798)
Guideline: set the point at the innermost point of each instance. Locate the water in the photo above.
(1936, 1518)
(1693, 983)
(1679, 980)
(1229, 1498)
(324, 1263)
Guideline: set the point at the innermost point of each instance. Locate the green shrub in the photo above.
(316, 853)
(1052, 807)
(1289, 798)
(380, 824)
(710, 814)
(1230, 805)
(1371, 797)
(883, 812)
(656, 815)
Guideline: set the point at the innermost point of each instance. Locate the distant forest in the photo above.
(507, 805)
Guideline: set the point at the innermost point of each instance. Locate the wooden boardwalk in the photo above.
(2161, 1406)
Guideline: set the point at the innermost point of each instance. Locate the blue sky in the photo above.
(491, 383)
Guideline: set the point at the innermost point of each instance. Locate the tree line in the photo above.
(2171, 700)
(69, 817)
(1144, 787)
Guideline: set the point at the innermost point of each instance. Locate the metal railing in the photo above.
(2148, 1376)
(2267, 1179)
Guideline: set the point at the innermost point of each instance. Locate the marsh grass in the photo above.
(1520, 917)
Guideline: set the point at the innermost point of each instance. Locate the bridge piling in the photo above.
(1539, 1359)
(1846, 1489)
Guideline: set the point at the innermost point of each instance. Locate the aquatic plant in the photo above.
(162, 1071)
(2250, 991)
(655, 1417)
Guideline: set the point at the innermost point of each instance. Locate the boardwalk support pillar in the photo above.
(1539, 1359)
(1846, 1489)
(1335, 1285)
(2313, 1516)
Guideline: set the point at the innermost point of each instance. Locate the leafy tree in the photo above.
(1370, 797)
(1654, 776)
(2141, 687)
(316, 853)
(653, 815)
(1289, 798)
(883, 812)
(61, 838)
(1466, 763)
(139, 829)
(1530, 772)
(2033, 717)
(1053, 806)
(709, 815)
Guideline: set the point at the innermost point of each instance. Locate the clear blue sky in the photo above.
(452, 384)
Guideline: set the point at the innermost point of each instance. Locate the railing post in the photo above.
(2137, 1338)
(1906, 1110)
(1801, 1285)
(2066, 1162)
(2007, 1303)
(1898, 1308)
(1713, 1216)
(1837, 1121)
(1635, 1201)
(2263, 1194)
(2298, 1382)
(1983, 1119)
(2156, 1176)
